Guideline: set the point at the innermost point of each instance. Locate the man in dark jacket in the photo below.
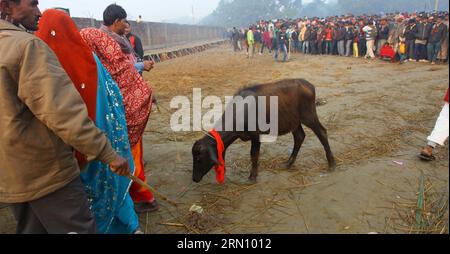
(334, 42)
(294, 37)
(135, 41)
(321, 34)
(437, 36)
(340, 39)
(361, 36)
(282, 42)
(235, 39)
(257, 36)
(383, 35)
(349, 38)
(443, 54)
(410, 38)
(422, 30)
(313, 40)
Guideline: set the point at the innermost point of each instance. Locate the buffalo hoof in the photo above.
(332, 168)
(252, 180)
(289, 164)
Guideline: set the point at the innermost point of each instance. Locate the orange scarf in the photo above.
(220, 168)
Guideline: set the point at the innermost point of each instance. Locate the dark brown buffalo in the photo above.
(296, 107)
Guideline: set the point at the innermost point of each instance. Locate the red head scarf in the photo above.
(61, 34)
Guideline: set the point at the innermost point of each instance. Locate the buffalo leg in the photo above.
(299, 138)
(256, 147)
(321, 133)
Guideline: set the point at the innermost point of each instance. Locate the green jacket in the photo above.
(250, 37)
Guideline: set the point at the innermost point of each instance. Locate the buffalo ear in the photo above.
(213, 155)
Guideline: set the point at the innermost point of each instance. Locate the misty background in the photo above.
(170, 11)
(244, 12)
(229, 13)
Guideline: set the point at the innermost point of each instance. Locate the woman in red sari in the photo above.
(137, 94)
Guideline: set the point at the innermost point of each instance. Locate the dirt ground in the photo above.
(378, 116)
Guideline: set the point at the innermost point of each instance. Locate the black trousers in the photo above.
(334, 47)
(410, 47)
(320, 48)
(62, 212)
(362, 47)
(313, 47)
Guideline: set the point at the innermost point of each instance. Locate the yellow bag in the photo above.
(355, 49)
(402, 48)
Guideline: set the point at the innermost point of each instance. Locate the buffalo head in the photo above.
(204, 154)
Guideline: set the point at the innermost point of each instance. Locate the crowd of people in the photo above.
(421, 37)
(403, 37)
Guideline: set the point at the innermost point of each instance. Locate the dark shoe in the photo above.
(146, 207)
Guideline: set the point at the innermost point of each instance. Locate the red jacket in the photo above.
(329, 36)
(446, 96)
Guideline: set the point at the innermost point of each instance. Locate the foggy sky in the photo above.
(151, 10)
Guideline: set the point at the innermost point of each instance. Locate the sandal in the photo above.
(427, 154)
(426, 157)
(146, 207)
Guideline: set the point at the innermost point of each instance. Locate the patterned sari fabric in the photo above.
(108, 193)
(135, 91)
(136, 94)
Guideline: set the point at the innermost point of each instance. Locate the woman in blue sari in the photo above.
(108, 193)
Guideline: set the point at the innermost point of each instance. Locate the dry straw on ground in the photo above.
(427, 214)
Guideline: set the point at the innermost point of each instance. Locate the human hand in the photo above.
(148, 65)
(120, 166)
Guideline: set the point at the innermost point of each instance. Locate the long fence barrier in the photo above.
(162, 41)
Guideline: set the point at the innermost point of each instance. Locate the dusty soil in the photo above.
(378, 116)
